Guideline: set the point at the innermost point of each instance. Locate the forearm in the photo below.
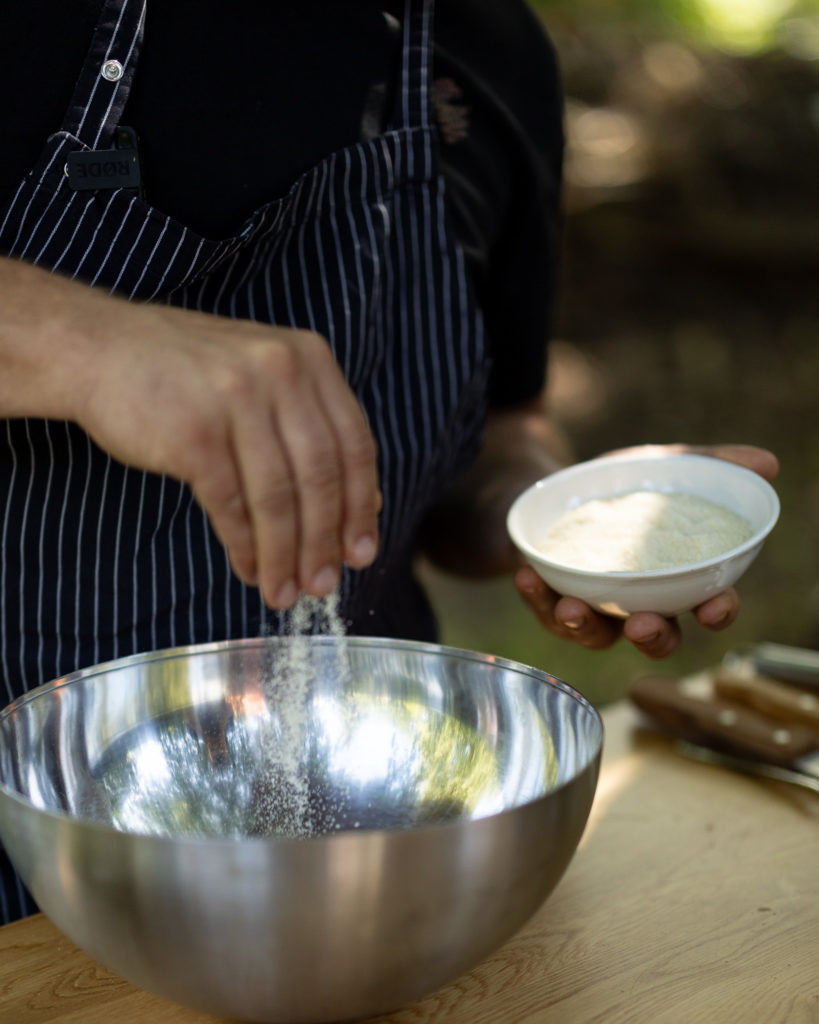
(45, 340)
(465, 533)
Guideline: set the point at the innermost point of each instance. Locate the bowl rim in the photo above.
(541, 676)
(627, 575)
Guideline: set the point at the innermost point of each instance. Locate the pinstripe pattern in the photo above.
(101, 560)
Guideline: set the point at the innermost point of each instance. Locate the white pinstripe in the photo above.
(152, 548)
(311, 319)
(125, 63)
(58, 567)
(42, 567)
(346, 348)
(135, 582)
(38, 257)
(149, 261)
(7, 675)
(131, 252)
(22, 580)
(223, 287)
(89, 105)
(433, 376)
(172, 563)
(161, 282)
(189, 514)
(448, 344)
(330, 318)
(92, 242)
(9, 212)
(78, 581)
(98, 560)
(13, 245)
(115, 567)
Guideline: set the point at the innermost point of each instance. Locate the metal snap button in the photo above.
(112, 71)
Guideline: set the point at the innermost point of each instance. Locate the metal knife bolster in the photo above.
(721, 724)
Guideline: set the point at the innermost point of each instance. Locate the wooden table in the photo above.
(693, 897)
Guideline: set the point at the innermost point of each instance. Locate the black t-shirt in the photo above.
(233, 102)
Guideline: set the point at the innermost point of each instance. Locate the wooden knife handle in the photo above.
(777, 700)
(721, 724)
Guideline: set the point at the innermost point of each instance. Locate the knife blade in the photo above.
(780, 701)
(748, 765)
(724, 725)
(778, 661)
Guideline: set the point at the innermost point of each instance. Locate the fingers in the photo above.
(760, 460)
(360, 495)
(566, 617)
(219, 491)
(269, 494)
(657, 637)
(572, 619)
(284, 464)
(719, 612)
(309, 473)
(652, 635)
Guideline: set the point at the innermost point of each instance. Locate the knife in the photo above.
(783, 702)
(777, 661)
(748, 765)
(726, 726)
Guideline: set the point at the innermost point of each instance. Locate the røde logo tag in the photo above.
(108, 169)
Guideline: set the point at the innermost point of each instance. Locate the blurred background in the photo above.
(689, 297)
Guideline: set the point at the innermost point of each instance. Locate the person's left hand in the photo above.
(655, 636)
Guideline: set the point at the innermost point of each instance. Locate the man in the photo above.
(271, 282)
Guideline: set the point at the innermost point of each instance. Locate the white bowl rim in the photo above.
(626, 575)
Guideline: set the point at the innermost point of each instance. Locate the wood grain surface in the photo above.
(694, 897)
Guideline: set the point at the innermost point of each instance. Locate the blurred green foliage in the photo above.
(742, 26)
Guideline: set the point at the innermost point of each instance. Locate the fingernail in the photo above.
(325, 580)
(287, 595)
(643, 640)
(575, 624)
(364, 550)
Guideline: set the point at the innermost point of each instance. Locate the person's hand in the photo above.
(258, 421)
(655, 636)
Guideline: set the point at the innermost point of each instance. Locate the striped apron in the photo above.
(100, 560)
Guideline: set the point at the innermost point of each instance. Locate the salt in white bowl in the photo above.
(666, 591)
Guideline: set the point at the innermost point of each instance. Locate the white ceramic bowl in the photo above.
(667, 591)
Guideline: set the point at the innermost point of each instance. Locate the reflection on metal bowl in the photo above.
(176, 820)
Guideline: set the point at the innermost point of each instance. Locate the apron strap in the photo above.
(107, 73)
(413, 107)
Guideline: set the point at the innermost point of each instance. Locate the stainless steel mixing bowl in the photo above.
(294, 830)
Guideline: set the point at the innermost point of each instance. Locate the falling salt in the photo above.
(284, 804)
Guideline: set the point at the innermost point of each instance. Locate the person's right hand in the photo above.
(258, 420)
